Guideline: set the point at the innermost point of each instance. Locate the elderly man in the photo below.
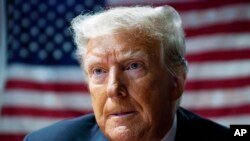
(134, 61)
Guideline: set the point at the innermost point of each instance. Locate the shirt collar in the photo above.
(170, 136)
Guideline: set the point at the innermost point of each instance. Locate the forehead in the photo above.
(124, 43)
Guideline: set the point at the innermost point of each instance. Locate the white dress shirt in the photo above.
(170, 136)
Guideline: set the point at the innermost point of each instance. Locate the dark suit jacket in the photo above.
(190, 127)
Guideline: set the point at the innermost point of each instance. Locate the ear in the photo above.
(178, 86)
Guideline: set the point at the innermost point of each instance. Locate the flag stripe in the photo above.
(53, 87)
(233, 27)
(191, 85)
(236, 101)
(223, 111)
(46, 73)
(79, 87)
(58, 101)
(216, 98)
(201, 5)
(219, 55)
(180, 6)
(42, 112)
(228, 120)
(197, 69)
(49, 113)
(15, 124)
(215, 16)
(12, 137)
(232, 99)
(231, 69)
(216, 84)
(218, 41)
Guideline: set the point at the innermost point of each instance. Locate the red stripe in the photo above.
(232, 27)
(184, 6)
(206, 4)
(11, 137)
(195, 85)
(48, 86)
(219, 55)
(191, 85)
(40, 112)
(223, 111)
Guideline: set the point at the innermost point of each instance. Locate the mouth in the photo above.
(123, 114)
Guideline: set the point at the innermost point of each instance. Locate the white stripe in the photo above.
(50, 100)
(230, 120)
(46, 73)
(212, 16)
(216, 98)
(23, 124)
(219, 70)
(217, 42)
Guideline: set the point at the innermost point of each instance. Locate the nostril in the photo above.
(123, 93)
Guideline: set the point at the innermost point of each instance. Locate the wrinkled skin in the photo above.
(133, 95)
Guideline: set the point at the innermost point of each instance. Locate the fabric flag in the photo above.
(43, 82)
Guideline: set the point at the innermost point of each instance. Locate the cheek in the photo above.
(98, 98)
(142, 92)
(142, 89)
(151, 94)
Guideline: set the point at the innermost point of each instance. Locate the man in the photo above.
(134, 61)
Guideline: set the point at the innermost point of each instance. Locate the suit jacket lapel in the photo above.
(99, 136)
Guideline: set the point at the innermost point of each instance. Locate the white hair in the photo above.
(162, 23)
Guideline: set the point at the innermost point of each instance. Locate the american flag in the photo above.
(41, 81)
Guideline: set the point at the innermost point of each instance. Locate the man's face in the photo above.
(132, 93)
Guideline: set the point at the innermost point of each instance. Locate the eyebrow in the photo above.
(95, 57)
(135, 54)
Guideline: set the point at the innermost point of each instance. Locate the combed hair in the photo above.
(162, 23)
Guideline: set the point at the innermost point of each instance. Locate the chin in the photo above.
(120, 133)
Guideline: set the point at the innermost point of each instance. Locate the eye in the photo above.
(134, 66)
(98, 71)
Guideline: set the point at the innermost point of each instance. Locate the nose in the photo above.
(116, 87)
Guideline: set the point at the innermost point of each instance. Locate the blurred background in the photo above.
(41, 81)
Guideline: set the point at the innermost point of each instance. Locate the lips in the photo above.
(123, 114)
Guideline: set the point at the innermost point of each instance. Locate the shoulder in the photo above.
(192, 126)
(76, 129)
